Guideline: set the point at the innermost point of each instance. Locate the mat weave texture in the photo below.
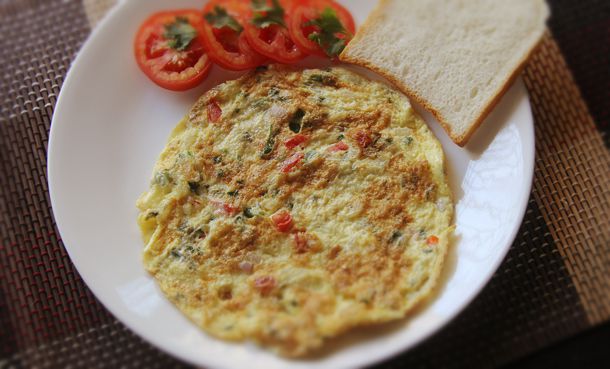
(553, 283)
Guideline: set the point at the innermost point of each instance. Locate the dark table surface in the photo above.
(582, 29)
(590, 349)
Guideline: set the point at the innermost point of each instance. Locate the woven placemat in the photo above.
(553, 283)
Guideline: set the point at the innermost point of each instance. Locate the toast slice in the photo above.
(455, 57)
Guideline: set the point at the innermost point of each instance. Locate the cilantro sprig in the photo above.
(179, 33)
(219, 18)
(327, 37)
(266, 15)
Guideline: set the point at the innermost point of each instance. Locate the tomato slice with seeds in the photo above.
(267, 32)
(224, 36)
(169, 49)
(304, 25)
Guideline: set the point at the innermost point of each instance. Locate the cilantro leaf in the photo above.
(329, 27)
(266, 15)
(219, 18)
(179, 34)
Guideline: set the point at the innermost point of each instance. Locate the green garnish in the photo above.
(316, 78)
(194, 186)
(327, 37)
(219, 18)
(395, 235)
(266, 15)
(247, 136)
(270, 144)
(233, 193)
(341, 137)
(323, 79)
(199, 233)
(248, 213)
(296, 120)
(179, 34)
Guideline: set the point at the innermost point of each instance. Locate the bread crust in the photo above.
(459, 139)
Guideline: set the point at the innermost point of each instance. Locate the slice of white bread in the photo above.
(455, 57)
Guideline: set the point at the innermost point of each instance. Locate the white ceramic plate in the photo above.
(111, 123)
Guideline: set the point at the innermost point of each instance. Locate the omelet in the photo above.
(291, 205)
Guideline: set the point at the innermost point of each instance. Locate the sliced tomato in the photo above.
(178, 67)
(227, 45)
(305, 11)
(295, 141)
(273, 40)
(282, 220)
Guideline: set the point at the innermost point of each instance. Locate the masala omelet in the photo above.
(291, 205)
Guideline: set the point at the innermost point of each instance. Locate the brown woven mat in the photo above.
(552, 284)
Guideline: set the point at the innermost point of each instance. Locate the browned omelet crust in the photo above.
(367, 195)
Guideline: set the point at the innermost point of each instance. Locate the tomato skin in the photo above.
(227, 47)
(169, 68)
(282, 221)
(274, 41)
(295, 141)
(214, 111)
(302, 11)
(265, 284)
(339, 146)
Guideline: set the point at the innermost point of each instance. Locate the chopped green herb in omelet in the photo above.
(292, 221)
